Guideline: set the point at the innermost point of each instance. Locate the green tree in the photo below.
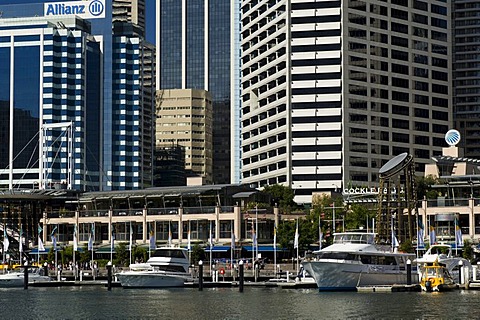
(467, 250)
(122, 255)
(198, 253)
(281, 195)
(424, 187)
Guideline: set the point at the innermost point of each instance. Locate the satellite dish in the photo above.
(452, 137)
(395, 165)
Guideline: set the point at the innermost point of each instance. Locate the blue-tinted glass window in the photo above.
(26, 98)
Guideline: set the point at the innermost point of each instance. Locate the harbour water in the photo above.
(229, 303)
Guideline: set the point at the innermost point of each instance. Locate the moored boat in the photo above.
(436, 277)
(16, 278)
(355, 260)
(167, 267)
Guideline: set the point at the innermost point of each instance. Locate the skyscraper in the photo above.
(332, 90)
(194, 42)
(92, 100)
(467, 75)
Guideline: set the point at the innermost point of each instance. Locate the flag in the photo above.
(53, 236)
(420, 233)
(189, 245)
(395, 243)
(274, 235)
(295, 243)
(131, 238)
(169, 235)
(232, 243)
(39, 229)
(112, 243)
(254, 236)
(6, 243)
(75, 243)
(20, 242)
(210, 239)
(90, 242)
(40, 245)
(433, 237)
(152, 239)
(458, 234)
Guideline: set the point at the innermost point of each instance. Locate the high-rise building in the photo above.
(100, 81)
(466, 66)
(332, 90)
(195, 50)
(132, 11)
(184, 118)
(48, 66)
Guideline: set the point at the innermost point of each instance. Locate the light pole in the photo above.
(256, 232)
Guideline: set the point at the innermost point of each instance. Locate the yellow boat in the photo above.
(436, 277)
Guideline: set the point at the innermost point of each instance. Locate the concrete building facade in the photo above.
(184, 118)
(333, 89)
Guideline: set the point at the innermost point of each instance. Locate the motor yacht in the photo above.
(166, 267)
(16, 278)
(355, 260)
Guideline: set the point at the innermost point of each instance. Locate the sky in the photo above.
(150, 14)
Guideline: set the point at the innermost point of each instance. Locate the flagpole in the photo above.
(211, 243)
(130, 248)
(74, 249)
(111, 244)
(298, 245)
(275, 249)
(93, 240)
(4, 235)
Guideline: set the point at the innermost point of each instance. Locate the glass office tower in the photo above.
(94, 81)
(194, 43)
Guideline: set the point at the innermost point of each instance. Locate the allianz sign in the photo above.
(84, 9)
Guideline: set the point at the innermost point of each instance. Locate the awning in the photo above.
(262, 248)
(244, 194)
(218, 249)
(35, 251)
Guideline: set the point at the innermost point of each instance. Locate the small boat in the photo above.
(16, 278)
(354, 260)
(436, 277)
(443, 254)
(167, 267)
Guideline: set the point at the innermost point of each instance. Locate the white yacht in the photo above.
(443, 255)
(167, 267)
(16, 278)
(354, 260)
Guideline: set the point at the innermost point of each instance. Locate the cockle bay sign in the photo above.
(371, 191)
(91, 9)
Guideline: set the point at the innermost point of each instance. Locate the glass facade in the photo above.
(170, 44)
(195, 54)
(85, 81)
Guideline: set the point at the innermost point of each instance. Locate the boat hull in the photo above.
(17, 280)
(151, 280)
(338, 276)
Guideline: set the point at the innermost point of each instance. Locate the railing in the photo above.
(196, 210)
(442, 202)
(93, 213)
(161, 211)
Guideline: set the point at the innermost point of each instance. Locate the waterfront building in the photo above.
(184, 118)
(332, 90)
(466, 75)
(197, 48)
(101, 81)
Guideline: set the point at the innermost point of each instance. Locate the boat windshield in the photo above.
(354, 238)
(169, 253)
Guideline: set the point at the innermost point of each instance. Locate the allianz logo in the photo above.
(95, 8)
